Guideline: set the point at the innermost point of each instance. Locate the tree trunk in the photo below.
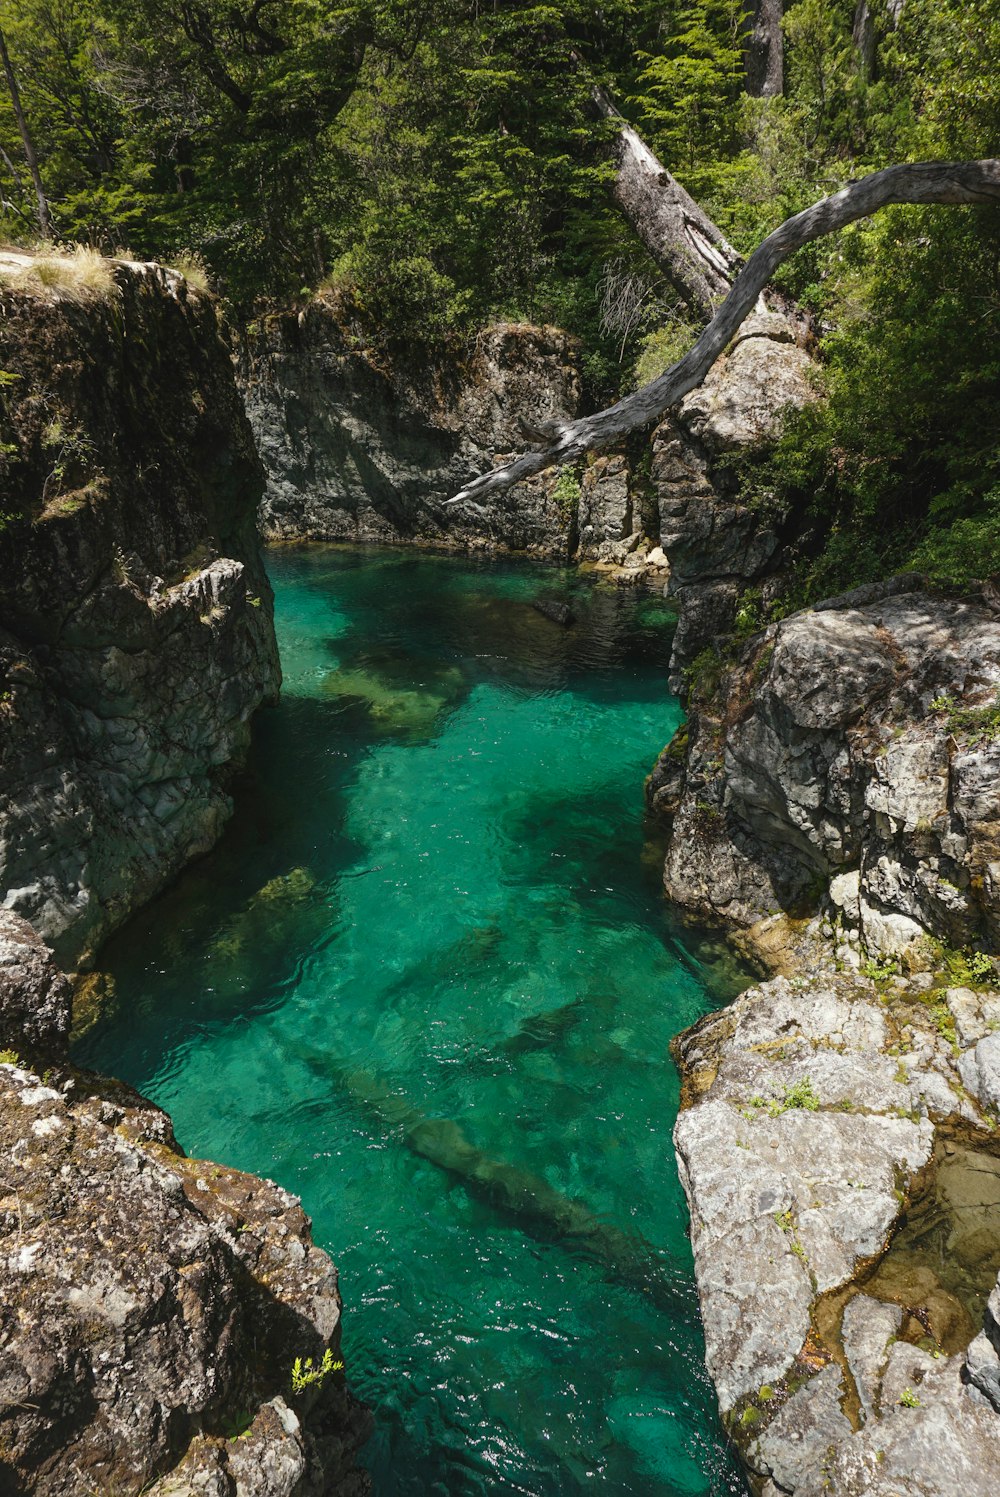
(44, 221)
(863, 37)
(692, 253)
(864, 33)
(763, 48)
(922, 182)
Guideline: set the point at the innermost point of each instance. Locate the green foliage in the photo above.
(692, 86)
(567, 492)
(969, 968)
(798, 1095)
(663, 347)
(305, 1375)
(749, 618)
(908, 1399)
(882, 969)
(703, 674)
(900, 467)
(979, 724)
(435, 165)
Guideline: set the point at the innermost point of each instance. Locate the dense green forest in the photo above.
(435, 165)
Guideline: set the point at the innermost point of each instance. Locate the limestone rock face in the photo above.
(358, 447)
(844, 753)
(136, 633)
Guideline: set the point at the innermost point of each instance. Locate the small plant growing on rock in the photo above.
(981, 724)
(909, 1399)
(970, 968)
(567, 492)
(9, 1058)
(702, 676)
(880, 971)
(800, 1094)
(749, 614)
(305, 1375)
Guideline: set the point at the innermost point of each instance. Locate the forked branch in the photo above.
(948, 182)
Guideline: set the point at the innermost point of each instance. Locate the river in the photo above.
(428, 982)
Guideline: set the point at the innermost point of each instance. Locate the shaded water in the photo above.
(428, 982)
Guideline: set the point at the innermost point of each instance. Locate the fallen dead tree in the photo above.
(927, 182)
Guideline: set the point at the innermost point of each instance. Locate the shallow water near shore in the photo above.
(428, 982)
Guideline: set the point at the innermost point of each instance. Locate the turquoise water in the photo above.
(428, 982)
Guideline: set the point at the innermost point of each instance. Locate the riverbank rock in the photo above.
(833, 801)
(136, 634)
(151, 1306)
(844, 1191)
(35, 997)
(848, 754)
(359, 445)
(717, 546)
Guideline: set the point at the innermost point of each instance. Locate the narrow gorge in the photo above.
(499, 748)
(828, 799)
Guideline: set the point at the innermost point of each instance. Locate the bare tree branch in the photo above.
(948, 182)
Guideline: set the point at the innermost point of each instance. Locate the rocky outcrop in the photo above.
(152, 1307)
(844, 1187)
(361, 446)
(136, 635)
(833, 801)
(717, 546)
(849, 752)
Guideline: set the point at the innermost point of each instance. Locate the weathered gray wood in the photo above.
(863, 37)
(693, 254)
(763, 48)
(947, 182)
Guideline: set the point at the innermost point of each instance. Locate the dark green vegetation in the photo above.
(435, 165)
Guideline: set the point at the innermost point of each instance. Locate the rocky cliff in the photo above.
(136, 634)
(358, 445)
(716, 546)
(153, 1306)
(849, 752)
(362, 446)
(833, 800)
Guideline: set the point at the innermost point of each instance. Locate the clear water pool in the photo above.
(428, 982)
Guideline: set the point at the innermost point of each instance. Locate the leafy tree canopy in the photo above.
(435, 163)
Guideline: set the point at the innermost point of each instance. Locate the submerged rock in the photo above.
(554, 609)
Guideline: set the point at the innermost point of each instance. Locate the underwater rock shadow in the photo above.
(527, 1199)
